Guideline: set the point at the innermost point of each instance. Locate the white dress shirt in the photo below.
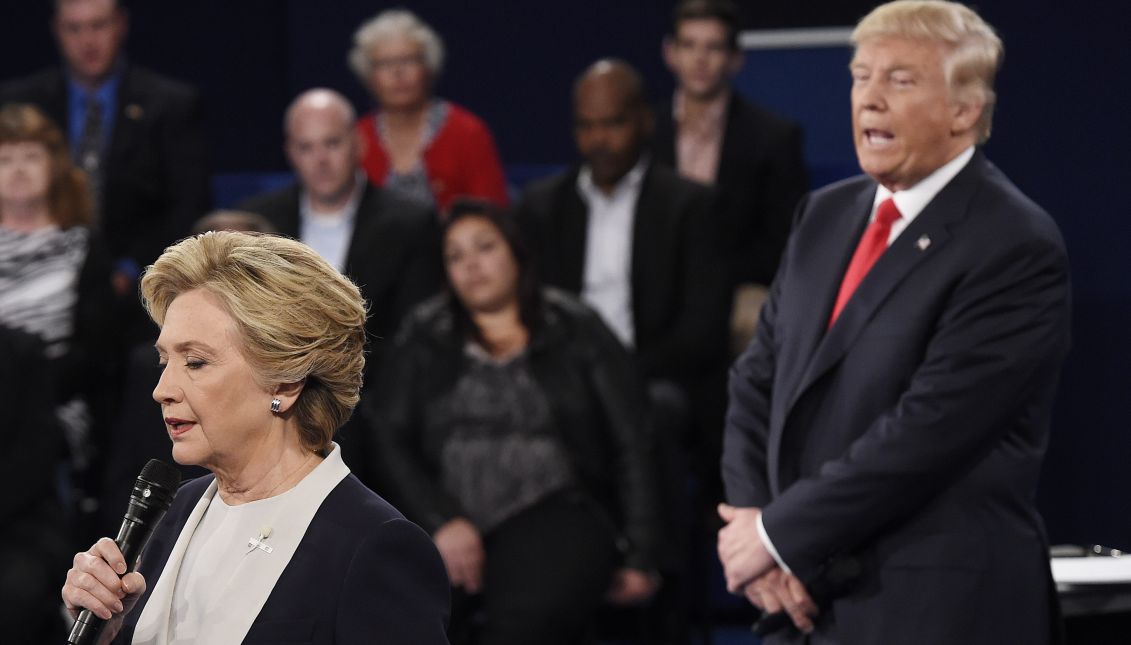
(912, 201)
(330, 233)
(607, 282)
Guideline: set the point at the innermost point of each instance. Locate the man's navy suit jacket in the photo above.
(362, 574)
(910, 434)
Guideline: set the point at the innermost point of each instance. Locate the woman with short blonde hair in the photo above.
(299, 319)
(262, 346)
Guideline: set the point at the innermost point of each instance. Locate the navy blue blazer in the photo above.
(362, 574)
(910, 434)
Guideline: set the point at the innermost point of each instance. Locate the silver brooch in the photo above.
(260, 541)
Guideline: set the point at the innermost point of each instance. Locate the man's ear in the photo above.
(965, 114)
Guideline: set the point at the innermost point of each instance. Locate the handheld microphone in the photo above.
(152, 494)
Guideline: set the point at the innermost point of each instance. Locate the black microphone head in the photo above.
(153, 492)
(161, 474)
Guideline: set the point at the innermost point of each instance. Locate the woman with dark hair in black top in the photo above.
(512, 426)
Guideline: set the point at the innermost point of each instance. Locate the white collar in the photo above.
(629, 183)
(912, 201)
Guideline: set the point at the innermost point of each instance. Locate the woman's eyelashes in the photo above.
(190, 363)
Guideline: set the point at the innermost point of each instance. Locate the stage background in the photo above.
(1061, 133)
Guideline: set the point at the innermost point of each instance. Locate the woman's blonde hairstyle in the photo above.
(974, 51)
(68, 198)
(297, 316)
(395, 23)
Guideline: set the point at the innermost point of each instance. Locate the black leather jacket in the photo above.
(597, 401)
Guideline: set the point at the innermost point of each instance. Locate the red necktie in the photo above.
(872, 246)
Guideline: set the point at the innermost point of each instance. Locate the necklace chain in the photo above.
(288, 477)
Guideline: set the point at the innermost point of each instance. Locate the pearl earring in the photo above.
(276, 405)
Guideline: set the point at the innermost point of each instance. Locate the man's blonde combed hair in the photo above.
(298, 318)
(974, 51)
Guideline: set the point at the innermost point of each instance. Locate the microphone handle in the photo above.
(132, 536)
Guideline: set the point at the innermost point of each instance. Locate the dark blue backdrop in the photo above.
(1061, 133)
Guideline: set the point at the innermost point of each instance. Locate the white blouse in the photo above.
(227, 559)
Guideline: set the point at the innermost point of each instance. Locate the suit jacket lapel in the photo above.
(364, 221)
(289, 220)
(646, 226)
(830, 252)
(128, 116)
(571, 229)
(57, 106)
(734, 134)
(663, 140)
(925, 236)
(153, 618)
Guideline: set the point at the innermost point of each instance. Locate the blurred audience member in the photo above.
(55, 280)
(33, 546)
(138, 136)
(887, 425)
(512, 424)
(387, 244)
(637, 242)
(630, 236)
(263, 346)
(713, 135)
(232, 220)
(426, 148)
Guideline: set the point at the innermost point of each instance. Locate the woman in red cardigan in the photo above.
(423, 147)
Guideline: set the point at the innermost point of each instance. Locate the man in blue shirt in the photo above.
(138, 135)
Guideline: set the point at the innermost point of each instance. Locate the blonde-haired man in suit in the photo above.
(887, 426)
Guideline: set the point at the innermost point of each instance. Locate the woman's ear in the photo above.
(287, 393)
